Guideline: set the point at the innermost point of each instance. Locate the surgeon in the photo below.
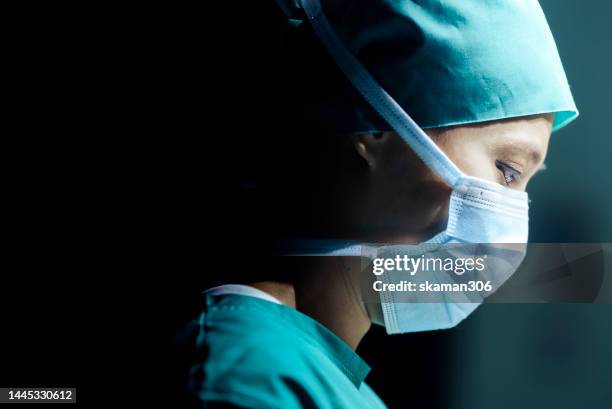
(414, 122)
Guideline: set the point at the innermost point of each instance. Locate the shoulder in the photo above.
(244, 356)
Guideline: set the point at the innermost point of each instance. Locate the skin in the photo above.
(401, 200)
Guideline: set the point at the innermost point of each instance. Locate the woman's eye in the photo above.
(510, 174)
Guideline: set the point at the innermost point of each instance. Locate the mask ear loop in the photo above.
(379, 99)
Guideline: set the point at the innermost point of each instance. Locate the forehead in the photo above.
(526, 136)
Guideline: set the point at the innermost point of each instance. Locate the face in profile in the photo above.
(404, 201)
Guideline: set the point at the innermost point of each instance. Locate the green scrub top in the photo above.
(252, 353)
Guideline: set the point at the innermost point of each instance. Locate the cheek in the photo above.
(408, 200)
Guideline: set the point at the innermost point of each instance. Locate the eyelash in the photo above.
(514, 175)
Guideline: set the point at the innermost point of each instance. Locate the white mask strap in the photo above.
(379, 99)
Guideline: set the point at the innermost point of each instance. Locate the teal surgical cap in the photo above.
(446, 62)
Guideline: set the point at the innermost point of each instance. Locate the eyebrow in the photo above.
(525, 149)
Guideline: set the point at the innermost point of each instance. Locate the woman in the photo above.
(486, 87)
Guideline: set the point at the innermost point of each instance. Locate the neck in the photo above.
(327, 289)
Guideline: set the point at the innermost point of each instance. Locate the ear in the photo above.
(372, 146)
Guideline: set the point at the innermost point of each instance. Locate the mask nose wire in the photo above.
(379, 99)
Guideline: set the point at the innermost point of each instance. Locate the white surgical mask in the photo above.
(480, 212)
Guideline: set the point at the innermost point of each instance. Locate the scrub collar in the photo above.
(304, 327)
